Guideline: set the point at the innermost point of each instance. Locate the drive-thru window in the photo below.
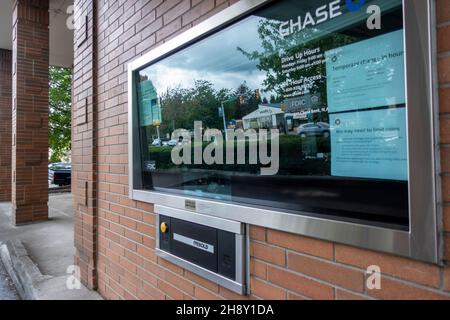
(310, 117)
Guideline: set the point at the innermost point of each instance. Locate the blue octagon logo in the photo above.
(354, 6)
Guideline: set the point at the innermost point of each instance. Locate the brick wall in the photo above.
(5, 124)
(283, 266)
(84, 154)
(30, 111)
(443, 36)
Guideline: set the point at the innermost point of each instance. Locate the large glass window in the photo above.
(311, 92)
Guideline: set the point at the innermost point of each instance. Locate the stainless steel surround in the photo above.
(421, 241)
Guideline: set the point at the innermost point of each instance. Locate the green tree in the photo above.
(60, 101)
(274, 47)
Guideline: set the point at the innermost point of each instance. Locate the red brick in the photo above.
(301, 244)
(346, 295)
(447, 279)
(258, 269)
(403, 268)
(84, 159)
(266, 290)
(170, 266)
(5, 124)
(213, 287)
(445, 159)
(444, 70)
(445, 184)
(229, 295)
(203, 294)
(268, 253)
(444, 100)
(329, 272)
(447, 247)
(257, 233)
(446, 216)
(170, 290)
(443, 38)
(300, 284)
(395, 290)
(293, 296)
(443, 11)
(176, 11)
(153, 292)
(30, 111)
(180, 283)
(201, 9)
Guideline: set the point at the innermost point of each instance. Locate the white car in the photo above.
(172, 143)
(157, 142)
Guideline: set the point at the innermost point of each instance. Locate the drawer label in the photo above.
(194, 243)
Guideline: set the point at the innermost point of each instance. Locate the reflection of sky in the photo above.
(216, 60)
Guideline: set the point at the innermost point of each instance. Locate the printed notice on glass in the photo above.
(366, 102)
(370, 144)
(366, 74)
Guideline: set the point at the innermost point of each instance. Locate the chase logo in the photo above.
(354, 5)
(330, 11)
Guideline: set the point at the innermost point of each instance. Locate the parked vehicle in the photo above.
(60, 173)
(157, 142)
(319, 129)
(172, 143)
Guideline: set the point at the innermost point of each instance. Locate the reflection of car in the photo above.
(320, 129)
(60, 173)
(172, 143)
(157, 142)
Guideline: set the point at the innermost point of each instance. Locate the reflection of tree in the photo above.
(274, 47)
(182, 107)
(251, 102)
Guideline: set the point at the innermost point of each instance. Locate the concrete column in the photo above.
(30, 111)
(5, 124)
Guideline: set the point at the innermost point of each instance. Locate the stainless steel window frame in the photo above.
(421, 242)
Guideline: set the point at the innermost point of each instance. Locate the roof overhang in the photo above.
(61, 37)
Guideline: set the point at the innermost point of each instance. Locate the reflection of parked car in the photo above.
(172, 143)
(157, 142)
(60, 173)
(320, 129)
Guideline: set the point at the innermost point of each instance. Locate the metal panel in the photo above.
(421, 242)
(205, 273)
(422, 143)
(241, 284)
(206, 220)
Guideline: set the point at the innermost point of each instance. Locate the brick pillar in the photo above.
(84, 151)
(5, 124)
(30, 111)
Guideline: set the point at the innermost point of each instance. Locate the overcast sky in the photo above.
(215, 59)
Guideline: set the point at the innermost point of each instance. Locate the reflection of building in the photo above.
(149, 104)
(265, 117)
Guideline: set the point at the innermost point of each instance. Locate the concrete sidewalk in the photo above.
(40, 254)
(7, 288)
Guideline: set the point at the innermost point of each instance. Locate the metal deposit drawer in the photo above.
(213, 248)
